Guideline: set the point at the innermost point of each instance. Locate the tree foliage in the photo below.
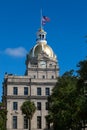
(28, 108)
(82, 72)
(68, 104)
(82, 87)
(3, 117)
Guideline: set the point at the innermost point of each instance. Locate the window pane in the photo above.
(47, 91)
(34, 76)
(15, 105)
(38, 122)
(15, 90)
(25, 90)
(38, 105)
(43, 76)
(52, 77)
(25, 122)
(38, 91)
(14, 122)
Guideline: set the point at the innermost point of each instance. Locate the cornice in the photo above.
(26, 97)
(43, 69)
(32, 83)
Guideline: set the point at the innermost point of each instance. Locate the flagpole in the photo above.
(41, 19)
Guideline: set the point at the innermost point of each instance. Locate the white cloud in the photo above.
(16, 52)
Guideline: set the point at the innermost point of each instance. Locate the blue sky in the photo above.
(19, 22)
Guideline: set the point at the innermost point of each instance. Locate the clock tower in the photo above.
(42, 58)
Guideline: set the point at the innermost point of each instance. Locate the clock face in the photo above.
(42, 64)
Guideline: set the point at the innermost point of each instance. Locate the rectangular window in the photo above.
(47, 105)
(47, 91)
(15, 106)
(52, 76)
(14, 122)
(38, 91)
(34, 76)
(43, 76)
(25, 122)
(15, 91)
(38, 122)
(25, 90)
(38, 105)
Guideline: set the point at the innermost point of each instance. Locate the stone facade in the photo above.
(36, 85)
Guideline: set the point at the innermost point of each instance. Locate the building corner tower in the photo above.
(36, 85)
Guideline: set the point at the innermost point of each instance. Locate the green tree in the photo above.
(28, 108)
(82, 72)
(3, 117)
(66, 104)
(82, 89)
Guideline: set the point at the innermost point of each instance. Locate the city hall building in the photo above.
(36, 85)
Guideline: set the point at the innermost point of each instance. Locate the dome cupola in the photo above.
(41, 36)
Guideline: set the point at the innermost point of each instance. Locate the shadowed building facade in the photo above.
(36, 85)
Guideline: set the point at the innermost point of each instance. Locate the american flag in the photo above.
(45, 19)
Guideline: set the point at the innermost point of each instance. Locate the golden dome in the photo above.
(42, 46)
